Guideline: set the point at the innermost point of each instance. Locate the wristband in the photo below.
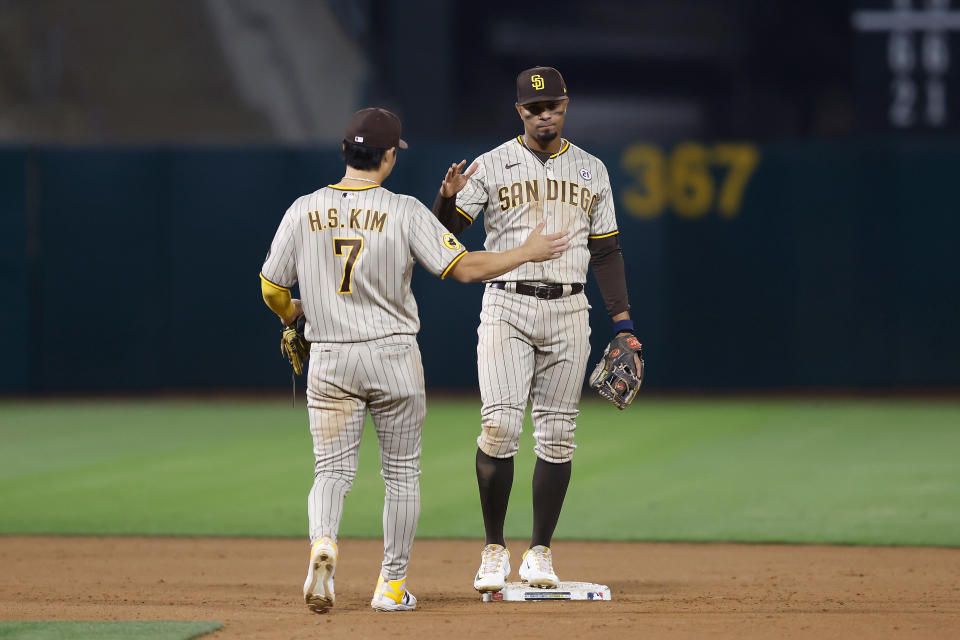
(623, 325)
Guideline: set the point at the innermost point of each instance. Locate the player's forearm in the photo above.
(278, 299)
(486, 265)
(606, 260)
(446, 211)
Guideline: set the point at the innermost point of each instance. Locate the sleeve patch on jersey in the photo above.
(450, 242)
(452, 264)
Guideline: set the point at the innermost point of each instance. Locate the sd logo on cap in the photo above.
(540, 84)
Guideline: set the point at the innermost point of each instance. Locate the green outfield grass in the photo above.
(844, 471)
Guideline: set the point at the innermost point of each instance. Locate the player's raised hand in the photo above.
(456, 179)
(549, 246)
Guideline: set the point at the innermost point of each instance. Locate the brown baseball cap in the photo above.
(540, 84)
(375, 127)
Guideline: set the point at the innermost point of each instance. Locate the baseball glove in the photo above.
(617, 376)
(294, 346)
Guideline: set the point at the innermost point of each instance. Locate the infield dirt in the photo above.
(659, 590)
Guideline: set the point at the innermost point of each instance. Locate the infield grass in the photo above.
(770, 470)
(152, 630)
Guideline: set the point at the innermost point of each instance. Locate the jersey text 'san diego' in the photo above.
(515, 191)
(352, 253)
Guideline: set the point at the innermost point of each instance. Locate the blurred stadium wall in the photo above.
(785, 176)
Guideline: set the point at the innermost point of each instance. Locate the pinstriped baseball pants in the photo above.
(384, 376)
(535, 352)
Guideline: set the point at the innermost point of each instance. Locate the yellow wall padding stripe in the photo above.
(605, 235)
(274, 285)
(451, 265)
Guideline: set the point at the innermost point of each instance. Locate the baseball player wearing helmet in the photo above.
(533, 335)
(351, 247)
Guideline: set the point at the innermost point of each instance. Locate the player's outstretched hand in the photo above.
(455, 180)
(542, 247)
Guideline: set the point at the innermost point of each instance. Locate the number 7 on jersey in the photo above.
(353, 247)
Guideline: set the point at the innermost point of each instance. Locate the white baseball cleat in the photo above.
(494, 569)
(318, 588)
(537, 568)
(392, 595)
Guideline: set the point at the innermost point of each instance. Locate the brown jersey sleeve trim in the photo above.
(465, 214)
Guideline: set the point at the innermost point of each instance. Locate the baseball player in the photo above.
(351, 247)
(533, 335)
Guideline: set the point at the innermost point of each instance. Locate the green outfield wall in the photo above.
(774, 265)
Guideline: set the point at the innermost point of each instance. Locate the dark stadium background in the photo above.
(785, 174)
(148, 150)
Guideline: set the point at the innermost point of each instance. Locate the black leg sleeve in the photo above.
(495, 479)
(550, 481)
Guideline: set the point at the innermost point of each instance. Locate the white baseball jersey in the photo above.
(516, 191)
(352, 251)
(530, 350)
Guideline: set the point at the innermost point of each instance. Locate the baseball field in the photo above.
(776, 517)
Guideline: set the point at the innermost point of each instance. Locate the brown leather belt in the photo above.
(539, 291)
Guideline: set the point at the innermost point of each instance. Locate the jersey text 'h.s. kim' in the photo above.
(360, 219)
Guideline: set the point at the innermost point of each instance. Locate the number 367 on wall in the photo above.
(691, 180)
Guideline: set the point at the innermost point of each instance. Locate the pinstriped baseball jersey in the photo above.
(516, 191)
(352, 251)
